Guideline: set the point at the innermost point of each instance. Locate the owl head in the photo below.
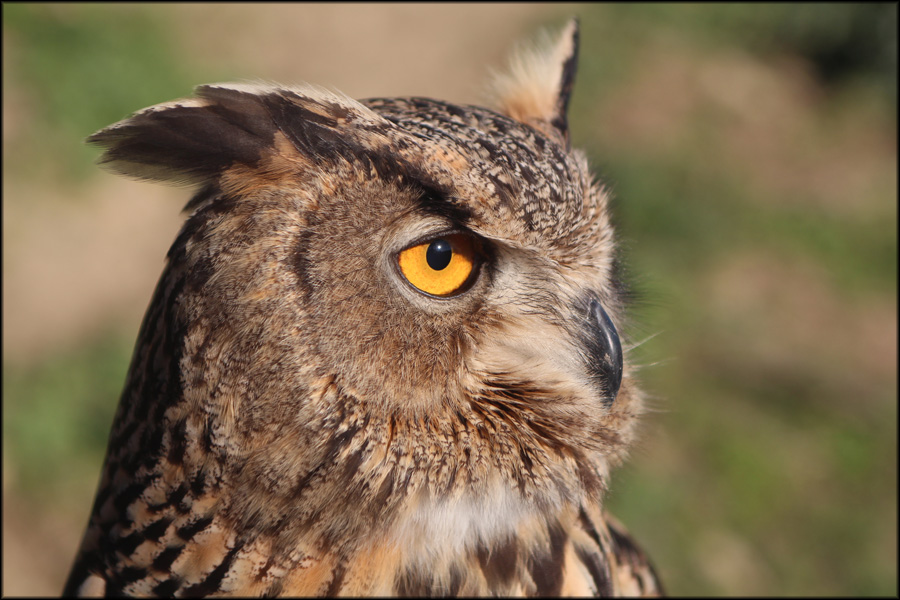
(378, 311)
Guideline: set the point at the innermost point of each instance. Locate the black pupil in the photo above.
(438, 254)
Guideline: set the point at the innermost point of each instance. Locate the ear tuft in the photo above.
(537, 85)
(192, 141)
(188, 141)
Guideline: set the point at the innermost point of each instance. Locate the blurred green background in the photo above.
(752, 150)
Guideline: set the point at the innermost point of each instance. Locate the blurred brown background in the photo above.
(752, 150)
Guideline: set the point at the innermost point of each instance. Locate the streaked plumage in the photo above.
(300, 419)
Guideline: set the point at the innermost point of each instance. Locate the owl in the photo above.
(384, 355)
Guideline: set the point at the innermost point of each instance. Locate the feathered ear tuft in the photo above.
(188, 141)
(537, 84)
(193, 141)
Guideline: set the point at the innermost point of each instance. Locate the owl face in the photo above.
(378, 316)
(532, 259)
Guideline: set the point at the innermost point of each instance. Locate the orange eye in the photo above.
(440, 267)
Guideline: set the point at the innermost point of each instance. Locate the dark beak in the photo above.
(604, 351)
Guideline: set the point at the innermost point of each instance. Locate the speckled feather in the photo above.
(299, 420)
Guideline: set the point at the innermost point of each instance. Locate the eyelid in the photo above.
(436, 234)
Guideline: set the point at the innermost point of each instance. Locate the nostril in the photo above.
(606, 349)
